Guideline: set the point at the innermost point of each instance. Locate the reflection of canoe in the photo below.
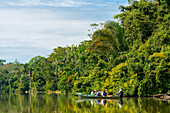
(94, 99)
(99, 97)
(83, 100)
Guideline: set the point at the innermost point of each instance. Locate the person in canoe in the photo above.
(92, 93)
(104, 93)
(120, 93)
(95, 92)
(98, 93)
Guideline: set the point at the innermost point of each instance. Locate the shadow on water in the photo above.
(51, 103)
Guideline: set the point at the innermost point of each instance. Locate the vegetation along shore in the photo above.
(132, 54)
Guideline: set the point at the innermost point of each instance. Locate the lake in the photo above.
(61, 103)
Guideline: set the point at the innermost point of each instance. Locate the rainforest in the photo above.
(132, 53)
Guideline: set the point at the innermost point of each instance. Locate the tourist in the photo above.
(98, 93)
(95, 92)
(104, 93)
(120, 93)
(92, 93)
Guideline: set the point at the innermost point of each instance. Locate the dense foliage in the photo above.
(134, 56)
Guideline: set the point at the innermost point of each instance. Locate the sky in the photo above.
(29, 28)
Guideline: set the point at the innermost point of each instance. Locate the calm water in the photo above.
(45, 103)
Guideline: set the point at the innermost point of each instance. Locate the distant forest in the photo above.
(133, 54)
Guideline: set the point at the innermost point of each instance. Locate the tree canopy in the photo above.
(132, 54)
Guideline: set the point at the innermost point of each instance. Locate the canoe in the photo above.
(98, 97)
(165, 96)
(77, 94)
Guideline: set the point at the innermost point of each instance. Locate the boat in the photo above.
(162, 96)
(77, 94)
(98, 97)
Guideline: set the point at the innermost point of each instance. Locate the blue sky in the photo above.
(29, 28)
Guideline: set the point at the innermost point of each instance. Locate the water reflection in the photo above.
(30, 105)
(44, 103)
(128, 105)
(99, 102)
(102, 102)
(120, 102)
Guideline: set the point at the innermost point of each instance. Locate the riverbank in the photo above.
(44, 92)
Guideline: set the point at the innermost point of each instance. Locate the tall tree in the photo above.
(108, 40)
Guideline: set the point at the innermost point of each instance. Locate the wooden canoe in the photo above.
(98, 97)
(77, 94)
(162, 96)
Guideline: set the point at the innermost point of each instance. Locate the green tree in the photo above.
(108, 40)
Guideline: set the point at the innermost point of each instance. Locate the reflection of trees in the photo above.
(43, 103)
(132, 105)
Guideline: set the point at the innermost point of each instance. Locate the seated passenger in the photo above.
(104, 93)
(98, 93)
(92, 93)
(95, 92)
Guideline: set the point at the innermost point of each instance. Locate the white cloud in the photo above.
(41, 30)
(53, 3)
(29, 26)
(29, 31)
(58, 3)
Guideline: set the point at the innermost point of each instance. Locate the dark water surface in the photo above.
(51, 103)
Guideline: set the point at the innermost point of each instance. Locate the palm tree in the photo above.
(108, 40)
